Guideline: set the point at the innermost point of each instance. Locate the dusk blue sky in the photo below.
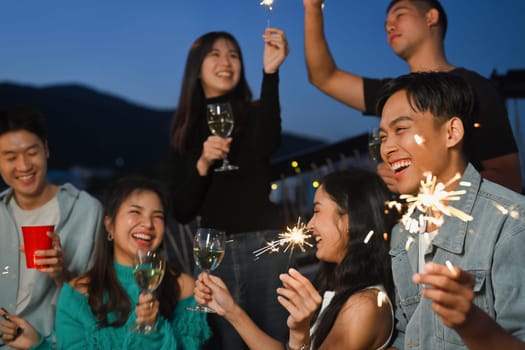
(137, 49)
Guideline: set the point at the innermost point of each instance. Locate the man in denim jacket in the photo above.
(32, 200)
(478, 300)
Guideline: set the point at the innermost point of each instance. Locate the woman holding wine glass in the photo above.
(129, 299)
(235, 201)
(208, 252)
(349, 305)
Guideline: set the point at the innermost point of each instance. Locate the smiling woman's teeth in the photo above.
(142, 236)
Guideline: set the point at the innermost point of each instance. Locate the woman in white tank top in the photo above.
(351, 229)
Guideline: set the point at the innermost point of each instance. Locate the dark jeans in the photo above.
(253, 284)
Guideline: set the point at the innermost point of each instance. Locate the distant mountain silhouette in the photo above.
(92, 129)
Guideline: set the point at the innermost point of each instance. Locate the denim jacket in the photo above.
(80, 222)
(491, 247)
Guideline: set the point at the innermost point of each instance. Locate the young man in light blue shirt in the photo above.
(32, 200)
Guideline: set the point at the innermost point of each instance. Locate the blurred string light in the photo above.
(295, 165)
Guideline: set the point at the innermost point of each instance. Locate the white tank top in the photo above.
(329, 295)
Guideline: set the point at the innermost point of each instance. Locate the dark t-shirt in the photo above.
(491, 135)
(234, 201)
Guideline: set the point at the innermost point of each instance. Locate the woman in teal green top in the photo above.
(95, 311)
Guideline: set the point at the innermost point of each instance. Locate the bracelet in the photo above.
(305, 346)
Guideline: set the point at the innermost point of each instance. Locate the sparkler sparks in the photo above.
(512, 212)
(432, 201)
(381, 298)
(409, 241)
(294, 237)
(419, 140)
(269, 5)
(368, 236)
(501, 208)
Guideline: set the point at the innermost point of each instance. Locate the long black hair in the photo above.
(191, 104)
(105, 294)
(362, 195)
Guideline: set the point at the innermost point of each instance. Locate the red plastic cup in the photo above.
(36, 238)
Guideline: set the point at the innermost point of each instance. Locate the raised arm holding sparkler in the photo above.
(415, 31)
(350, 308)
(236, 201)
(275, 49)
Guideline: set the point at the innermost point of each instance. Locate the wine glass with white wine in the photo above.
(374, 144)
(208, 251)
(148, 271)
(220, 121)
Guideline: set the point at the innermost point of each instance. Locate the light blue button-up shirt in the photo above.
(491, 247)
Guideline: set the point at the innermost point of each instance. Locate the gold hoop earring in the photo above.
(110, 237)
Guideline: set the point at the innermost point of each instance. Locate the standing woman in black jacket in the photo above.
(235, 201)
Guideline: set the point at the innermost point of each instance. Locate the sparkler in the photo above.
(451, 268)
(294, 237)
(432, 201)
(269, 5)
(368, 236)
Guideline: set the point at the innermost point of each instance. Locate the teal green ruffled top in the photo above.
(76, 326)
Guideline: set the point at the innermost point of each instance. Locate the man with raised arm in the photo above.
(415, 31)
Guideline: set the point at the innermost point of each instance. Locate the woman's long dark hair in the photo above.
(105, 293)
(191, 104)
(362, 195)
